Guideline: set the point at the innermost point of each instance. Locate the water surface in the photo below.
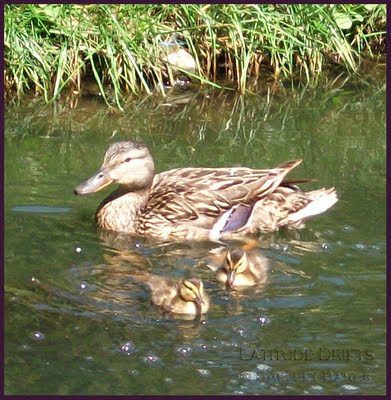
(317, 327)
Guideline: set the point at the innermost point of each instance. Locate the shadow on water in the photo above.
(317, 325)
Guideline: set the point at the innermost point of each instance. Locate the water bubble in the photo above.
(203, 372)
(249, 375)
(325, 246)
(90, 358)
(350, 387)
(83, 285)
(134, 372)
(284, 248)
(263, 320)
(347, 228)
(241, 332)
(183, 350)
(151, 359)
(316, 387)
(38, 336)
(78, 249)
(168, 380)
(128, 347)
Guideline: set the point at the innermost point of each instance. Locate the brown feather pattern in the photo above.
(192, 203)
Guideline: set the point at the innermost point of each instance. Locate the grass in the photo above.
(49, 48)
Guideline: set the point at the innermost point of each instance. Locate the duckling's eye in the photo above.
(239, 267)
(127, 159)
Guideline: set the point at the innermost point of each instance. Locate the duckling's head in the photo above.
(129, 164)
(192, 290)
(236, 262)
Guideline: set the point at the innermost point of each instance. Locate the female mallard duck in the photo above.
(184, 296)
(198, 203)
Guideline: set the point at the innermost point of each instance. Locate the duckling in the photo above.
(241, 269)
(185, 296)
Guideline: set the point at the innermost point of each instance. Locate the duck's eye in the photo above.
(127, 159)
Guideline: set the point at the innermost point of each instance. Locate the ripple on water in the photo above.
(347, 228)
(350, 388)
(249, 375)
(360, 247)
(204, 372)
(264, 367)
(134, 372)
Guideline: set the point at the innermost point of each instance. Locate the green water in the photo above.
(317, 327)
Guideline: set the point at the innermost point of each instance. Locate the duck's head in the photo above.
(129, 164)
(192, 290)
(236, 263)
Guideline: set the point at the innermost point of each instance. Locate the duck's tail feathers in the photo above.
(321, 201)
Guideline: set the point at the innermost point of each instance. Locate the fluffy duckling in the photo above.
(241, 269)
(185, 296)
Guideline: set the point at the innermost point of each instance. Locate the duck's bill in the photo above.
(231, 279)
(95, 183)
(199, 302)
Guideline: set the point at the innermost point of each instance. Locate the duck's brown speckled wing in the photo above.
(201, 195)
